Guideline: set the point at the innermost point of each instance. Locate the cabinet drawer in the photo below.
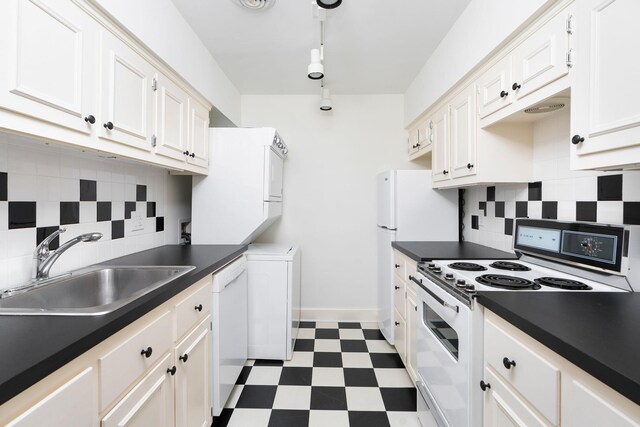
(121, 366)
(399, 264)
(189, 311)
(532, 376)
(399, 288)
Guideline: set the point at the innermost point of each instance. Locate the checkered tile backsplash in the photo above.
(43, 188)
(611, 198)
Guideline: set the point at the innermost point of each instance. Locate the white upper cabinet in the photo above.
(48, 62)
(440, 156)
(198, 134)
(172, 119)
(463, 133)
(127, 94)
(544, 56)
(414, 141)
(494, 87)
(605, 112)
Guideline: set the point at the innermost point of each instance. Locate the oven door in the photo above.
(443, 335)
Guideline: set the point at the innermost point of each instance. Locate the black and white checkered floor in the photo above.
(341, 374)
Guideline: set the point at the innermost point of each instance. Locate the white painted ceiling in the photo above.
(371, 46)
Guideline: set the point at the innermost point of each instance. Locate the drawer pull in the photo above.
(171, 371)
(397, 323)
(508, 363)
(396, 287)
(504, 94)
(184, 358)
(198, 307)
(108, 125)
(147, 353)
(484, 386)
(90, 119)
(397, 265)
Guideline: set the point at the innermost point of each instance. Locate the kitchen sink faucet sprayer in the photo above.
(44, 258)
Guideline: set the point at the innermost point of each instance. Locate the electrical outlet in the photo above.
(138, 221)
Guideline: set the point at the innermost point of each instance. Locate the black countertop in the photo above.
(35, 346)
(429, 251)
(598, 332)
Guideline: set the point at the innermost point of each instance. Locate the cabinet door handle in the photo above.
(445, 172)
(198, 307)
(469, 165)
(90, 119)
(516, 86)
(397, 323)
(504, 94)
(577, 139)
(397, 265)
(508, 363)
(484, 386)
(397, 287)
(147, 353)
(415, 307)
(108, 125)
(171, 371)
(192, 155)
(186, 153)
(184, 358)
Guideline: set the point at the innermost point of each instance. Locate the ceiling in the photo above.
(371, 46)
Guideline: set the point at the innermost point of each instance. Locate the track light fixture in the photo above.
(325, 101)
(315, 71)
(328, 4)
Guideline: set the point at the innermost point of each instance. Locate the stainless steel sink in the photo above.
(90, 292)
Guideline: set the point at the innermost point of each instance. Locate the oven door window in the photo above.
(447, 336)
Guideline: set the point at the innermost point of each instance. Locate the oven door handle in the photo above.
(436, 297)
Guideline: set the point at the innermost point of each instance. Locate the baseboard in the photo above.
(339, 314)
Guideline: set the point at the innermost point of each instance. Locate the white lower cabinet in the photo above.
(527, 384)
(149, 403)
(405, 312)
(193, 373)
(75, 403)
(154, 372)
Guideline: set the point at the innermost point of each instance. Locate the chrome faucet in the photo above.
(44, 258)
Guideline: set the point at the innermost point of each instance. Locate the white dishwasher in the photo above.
(229, 324)
(274, 300)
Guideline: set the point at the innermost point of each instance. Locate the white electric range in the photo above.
(553, 257)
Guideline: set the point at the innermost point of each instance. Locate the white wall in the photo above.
(164, 30)
(329, 207)
(481, 28)
(47, 175)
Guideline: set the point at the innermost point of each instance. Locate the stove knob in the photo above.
(431, 266)
(437, 270)
(461, 283)
(449, 276)
(470, 287)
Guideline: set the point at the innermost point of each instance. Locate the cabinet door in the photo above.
(412, 324)
(149, 403)
(48, 62)
(541, 58)
(494, 88)
(440, 155)
(414, 141)
(127, 105)
(604, 99)
(172, 115)
(75, 403)
(198, 134)
(504, 408)
(399, 295)
(426, 138)
(193, 378)
(400, 339)
(463, 133)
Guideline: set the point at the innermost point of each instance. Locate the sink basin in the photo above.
(90, 292)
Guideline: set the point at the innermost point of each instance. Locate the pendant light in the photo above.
(328, 4)
(315, 71)
(325, 101)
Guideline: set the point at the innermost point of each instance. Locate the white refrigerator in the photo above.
(408, 210)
